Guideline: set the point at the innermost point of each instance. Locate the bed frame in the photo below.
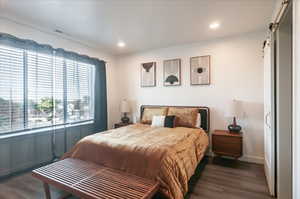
(203, 110)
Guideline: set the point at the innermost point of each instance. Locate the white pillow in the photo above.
(198, 122)
(158, 121)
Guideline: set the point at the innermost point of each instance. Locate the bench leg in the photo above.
(47, 191)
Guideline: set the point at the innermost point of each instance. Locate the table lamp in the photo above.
(125, 108)
(234, 112)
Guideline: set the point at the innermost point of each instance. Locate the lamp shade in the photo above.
(125, 108)
(234, 109)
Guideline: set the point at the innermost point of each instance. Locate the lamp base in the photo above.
(234, 128)
(125, 119)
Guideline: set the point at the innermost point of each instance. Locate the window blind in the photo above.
(79, 91)
(11, 89)
(39, 90)
(86, 94)
(58, 90)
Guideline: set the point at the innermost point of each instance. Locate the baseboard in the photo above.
(252, 159)
(245, 158)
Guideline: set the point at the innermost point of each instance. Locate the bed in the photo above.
(166, 155)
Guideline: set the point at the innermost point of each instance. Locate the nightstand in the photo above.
(227, 144)
(121, 124)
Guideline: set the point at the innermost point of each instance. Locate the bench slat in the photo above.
(92, 181)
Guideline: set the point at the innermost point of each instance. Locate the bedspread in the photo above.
(168, 155)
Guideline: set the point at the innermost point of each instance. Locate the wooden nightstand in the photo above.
(121, 124)
(227, 144)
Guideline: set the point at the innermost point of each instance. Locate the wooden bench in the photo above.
(91, 181)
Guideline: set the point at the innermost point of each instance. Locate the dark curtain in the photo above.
(100, 97)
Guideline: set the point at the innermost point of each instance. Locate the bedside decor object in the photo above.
(172, 70)
(234, 111)
(200, 70)
(225, 143)
(125, 108)
(148, 74)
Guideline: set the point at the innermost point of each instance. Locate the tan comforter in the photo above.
(169, 155)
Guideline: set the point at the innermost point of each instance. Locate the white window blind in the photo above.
(58, 91)
(86, 79)
(79, 91)
(39, 90)
(11, 89)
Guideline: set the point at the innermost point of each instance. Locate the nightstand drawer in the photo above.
(226, 139)
(228, 144)
(228, 148)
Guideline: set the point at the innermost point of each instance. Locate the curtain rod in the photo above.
(274, 25)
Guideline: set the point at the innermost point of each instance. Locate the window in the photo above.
(79, 92)
(40, 90)
(11, 89)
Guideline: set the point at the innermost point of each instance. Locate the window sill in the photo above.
(42, 130)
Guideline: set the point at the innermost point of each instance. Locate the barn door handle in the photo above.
(267, 116)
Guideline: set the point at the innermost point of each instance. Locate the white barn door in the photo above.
(269, 113)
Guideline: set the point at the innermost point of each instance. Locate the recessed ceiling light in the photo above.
(214, 25)
(121, 44)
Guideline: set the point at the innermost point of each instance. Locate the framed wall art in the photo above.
(148, 74)
(172, 70)
(200, 70)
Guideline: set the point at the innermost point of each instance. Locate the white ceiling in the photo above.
(141, 24)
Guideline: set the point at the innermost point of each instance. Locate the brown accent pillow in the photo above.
(186, 117)
(150, 112)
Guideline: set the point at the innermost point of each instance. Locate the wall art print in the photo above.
(172, 70)
(148, 74)
(200, 70)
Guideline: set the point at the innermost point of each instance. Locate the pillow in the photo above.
(198, 121)
(150, 112)
(170, 121)
(163, 121)
(158, 121)
(186, 117)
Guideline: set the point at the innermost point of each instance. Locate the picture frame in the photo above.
(148, 74)
(200, 70)
(172, 72)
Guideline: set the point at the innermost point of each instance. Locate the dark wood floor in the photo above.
(221, 179)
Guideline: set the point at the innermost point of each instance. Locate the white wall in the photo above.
(29, 32)
(236, 72)
(296, 99)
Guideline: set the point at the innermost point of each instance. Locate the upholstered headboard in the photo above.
(204, 111)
